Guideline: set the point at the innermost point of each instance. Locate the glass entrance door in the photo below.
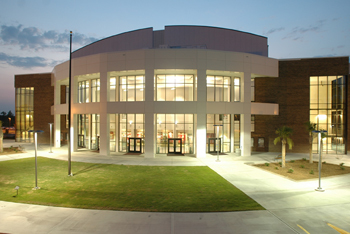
(214, 145)
(174, 145)
(135, 145)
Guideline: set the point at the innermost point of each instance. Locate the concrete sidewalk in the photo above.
(291, 206)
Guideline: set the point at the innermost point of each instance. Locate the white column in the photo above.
(201, 134)
(150, 136)
(246, 116)
(104, 120)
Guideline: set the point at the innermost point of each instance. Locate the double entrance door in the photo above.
(174, 146)
(135, 145)
(214, 145)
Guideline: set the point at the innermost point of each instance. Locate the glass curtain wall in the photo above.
(224, 130)
(175, 126)
(327, 110)
(24, 114)
(174, 87)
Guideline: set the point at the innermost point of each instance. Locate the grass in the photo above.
(121, 187)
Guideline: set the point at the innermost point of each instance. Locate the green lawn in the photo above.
(121, 187)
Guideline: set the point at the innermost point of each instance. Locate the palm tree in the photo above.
(284, 134)
(310, 127)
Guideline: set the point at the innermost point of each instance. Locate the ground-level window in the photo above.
(24, 114)
(89, 131)
(237, 131)
(175, 126)
(126, 133)
(222, 130)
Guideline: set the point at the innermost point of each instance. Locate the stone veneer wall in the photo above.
(291, 92)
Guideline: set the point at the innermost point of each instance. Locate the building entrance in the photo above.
(214, 145)
(174, 146)
(135, 145)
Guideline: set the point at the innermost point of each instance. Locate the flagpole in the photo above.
(69, 108)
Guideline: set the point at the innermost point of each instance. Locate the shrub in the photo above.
(292, 161)
(341, 164)
(343, 168)
(324, 162)
(290, 170)
(304, 159)
(280, 163)
(267, 164)
(276, 168)
(302, 166)
(311, 172)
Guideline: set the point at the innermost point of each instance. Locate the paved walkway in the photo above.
(291, 206)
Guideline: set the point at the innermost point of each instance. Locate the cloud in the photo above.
(273, 30)
(26, 62)
(296, 32)
(36, 39)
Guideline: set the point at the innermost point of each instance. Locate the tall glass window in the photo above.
(237, 89)
(224, 130)
(327, 110)
(89, 91)
(252, 90)
(174, 87)
(219, 89)
(131, 88)
(24, 114)
(171, 126)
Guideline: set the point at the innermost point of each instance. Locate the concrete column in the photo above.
(201, 133)
(104, 118)
(150, 135)
(246, 116)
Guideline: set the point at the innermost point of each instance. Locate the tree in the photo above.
(1, 138)
(10, 114)
(310, 127)
(3, 113)
(284, 134)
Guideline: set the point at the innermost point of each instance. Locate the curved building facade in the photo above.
(181, 90)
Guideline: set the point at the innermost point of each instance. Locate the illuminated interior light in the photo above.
(322, 117)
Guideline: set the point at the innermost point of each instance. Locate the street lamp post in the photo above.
(319, 189)
(36, 161)
(50, 137)
(70, 108)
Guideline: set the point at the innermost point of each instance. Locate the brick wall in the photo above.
(43, 100)
(291, 91)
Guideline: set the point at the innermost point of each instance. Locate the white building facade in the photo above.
(185, 90)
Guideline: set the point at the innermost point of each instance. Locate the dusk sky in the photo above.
(34, 34)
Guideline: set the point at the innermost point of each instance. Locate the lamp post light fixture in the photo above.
(319, 189)
(36, 161)
(50, 137)
(217, 140)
